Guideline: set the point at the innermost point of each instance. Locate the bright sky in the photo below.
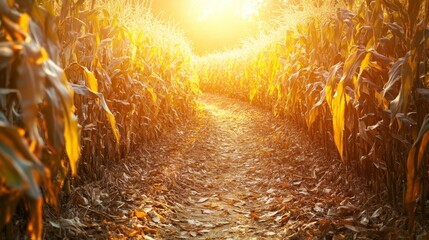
(245, 9)
(214, 24)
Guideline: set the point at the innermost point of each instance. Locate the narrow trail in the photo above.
(248, 176)
(227, 166)
(233, 172)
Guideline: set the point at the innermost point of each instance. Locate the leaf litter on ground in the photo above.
(217, 185)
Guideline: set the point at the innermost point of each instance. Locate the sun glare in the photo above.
(215, 24)
(250, 9)
(205, 9)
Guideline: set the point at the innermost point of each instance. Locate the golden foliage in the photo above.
(128, 85)
(37, 122)
(357, 79)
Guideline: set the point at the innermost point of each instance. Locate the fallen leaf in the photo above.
(318, 208)
(303, 191)
(149, 230)
(208, 225)
(297, 183)
(54, 224)
(364, 221)
(129, 231)
(353, 228)
(219, 224)
(254, 215)
(194, 222)
(156, 217)
(205, 211)
(331, 212)
(202, 200)
(349, 209)
(271, 190)
(377, 213)
(270, 200)
(140, 214)
(270, 214)
(213, 206)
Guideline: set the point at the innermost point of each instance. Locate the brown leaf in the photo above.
(353, 228)
(254, 215)
(149, 230)
(377, 213)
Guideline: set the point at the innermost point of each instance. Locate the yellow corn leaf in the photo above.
(364, 65)
(89, 76)
(71, 135)
(24, 22)
(414, 170)
(71, 128)
(92, 81)
(330, 83)
(314, 112)
(338, 118)
(112, 122)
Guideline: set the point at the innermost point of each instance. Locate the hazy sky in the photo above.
(211, 25)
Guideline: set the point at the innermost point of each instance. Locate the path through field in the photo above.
(233, 173)
(235, 189)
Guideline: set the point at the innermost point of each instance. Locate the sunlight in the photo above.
(244, 9)
(250, 9)
(222, 23)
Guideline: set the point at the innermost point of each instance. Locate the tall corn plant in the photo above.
(79, 57)
(37, 121)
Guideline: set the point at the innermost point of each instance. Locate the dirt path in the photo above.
(233, 173)
(247, 176)
(226, 165)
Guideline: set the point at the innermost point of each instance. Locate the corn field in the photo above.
(357, 79)
(82, 86)
(78, 84)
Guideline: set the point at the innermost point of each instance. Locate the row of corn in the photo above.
(358, 79)
(79, 87)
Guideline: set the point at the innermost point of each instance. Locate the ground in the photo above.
(232, 172)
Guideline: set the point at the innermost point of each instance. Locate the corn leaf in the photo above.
(85, 91)
(415, 170)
